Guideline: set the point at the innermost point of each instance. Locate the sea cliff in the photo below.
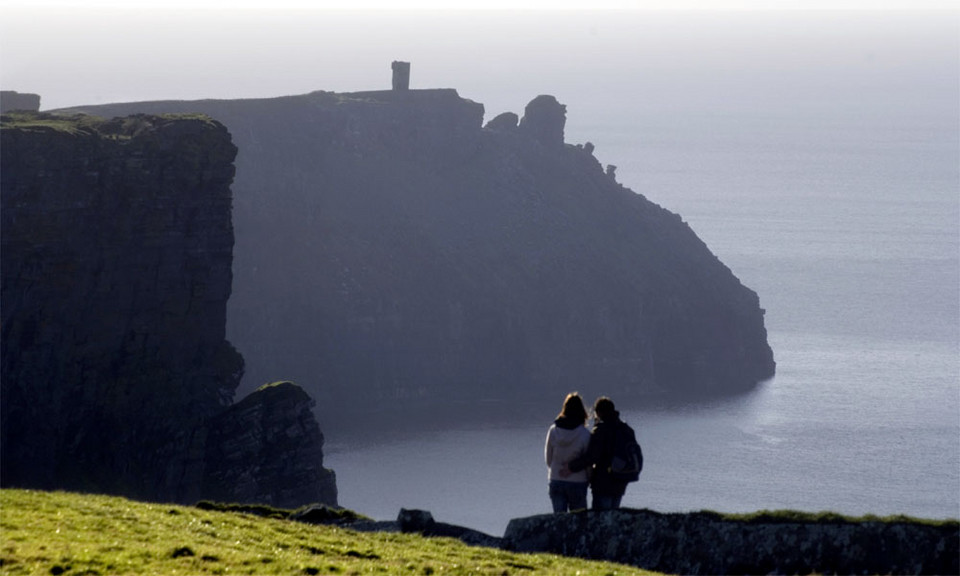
(391, 248)
(117, 243)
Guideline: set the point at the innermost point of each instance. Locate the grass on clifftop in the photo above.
(826, 517)
(80, 123)
(69, 124)
(73, 534)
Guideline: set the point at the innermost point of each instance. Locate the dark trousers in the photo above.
(568, 496)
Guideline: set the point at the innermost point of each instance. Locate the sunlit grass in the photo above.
(826, 517)
(66, 533)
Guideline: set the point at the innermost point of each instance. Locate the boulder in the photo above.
(422, 522)
(415, 520)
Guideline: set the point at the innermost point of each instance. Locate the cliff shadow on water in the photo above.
(391, 249)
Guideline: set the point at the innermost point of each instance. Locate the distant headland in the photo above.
(392, 249)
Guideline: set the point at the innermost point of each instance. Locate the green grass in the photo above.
(83, 123)
(794, 516)
(72, 124)
(73, 534)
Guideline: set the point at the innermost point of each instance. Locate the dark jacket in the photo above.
(599, 454)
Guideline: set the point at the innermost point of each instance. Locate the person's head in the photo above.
(573, 408)
(604, 409)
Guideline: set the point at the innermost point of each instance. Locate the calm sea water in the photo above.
(847, 224)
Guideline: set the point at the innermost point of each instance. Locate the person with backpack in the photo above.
(613, 457)
(567, 438)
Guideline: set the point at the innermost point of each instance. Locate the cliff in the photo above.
(767, 543)
(117, 246)
(390, 247)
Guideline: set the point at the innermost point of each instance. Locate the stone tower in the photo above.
(401, 75)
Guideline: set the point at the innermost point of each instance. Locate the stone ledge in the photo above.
(776, 543)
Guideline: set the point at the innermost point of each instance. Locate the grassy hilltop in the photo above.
(72, 534)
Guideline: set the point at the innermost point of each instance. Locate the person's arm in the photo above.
(548, 448)
(589, 457)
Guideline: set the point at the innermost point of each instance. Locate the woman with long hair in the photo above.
(567, 439)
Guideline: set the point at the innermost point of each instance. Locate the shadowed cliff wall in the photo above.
(117, 246)
(390, 248)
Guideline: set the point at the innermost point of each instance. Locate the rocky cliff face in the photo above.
(389, 247)
(705, 543)
(117, 246)
(267, 448)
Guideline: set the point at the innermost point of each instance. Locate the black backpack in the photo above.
(627, 460)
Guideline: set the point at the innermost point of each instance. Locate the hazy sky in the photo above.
(615, 54)
(506, 4)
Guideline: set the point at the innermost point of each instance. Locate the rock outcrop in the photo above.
(706, 543)
(544, 120)
(117, 246)
(422, 522)
(505, 122)
(390, 249)
(267, 448)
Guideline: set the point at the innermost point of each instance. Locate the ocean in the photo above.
(845, 218)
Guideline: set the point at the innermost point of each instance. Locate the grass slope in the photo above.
(73, 534)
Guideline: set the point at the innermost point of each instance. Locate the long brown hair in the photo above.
(573, 408)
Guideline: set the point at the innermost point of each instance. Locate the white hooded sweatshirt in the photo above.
(563, 445)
